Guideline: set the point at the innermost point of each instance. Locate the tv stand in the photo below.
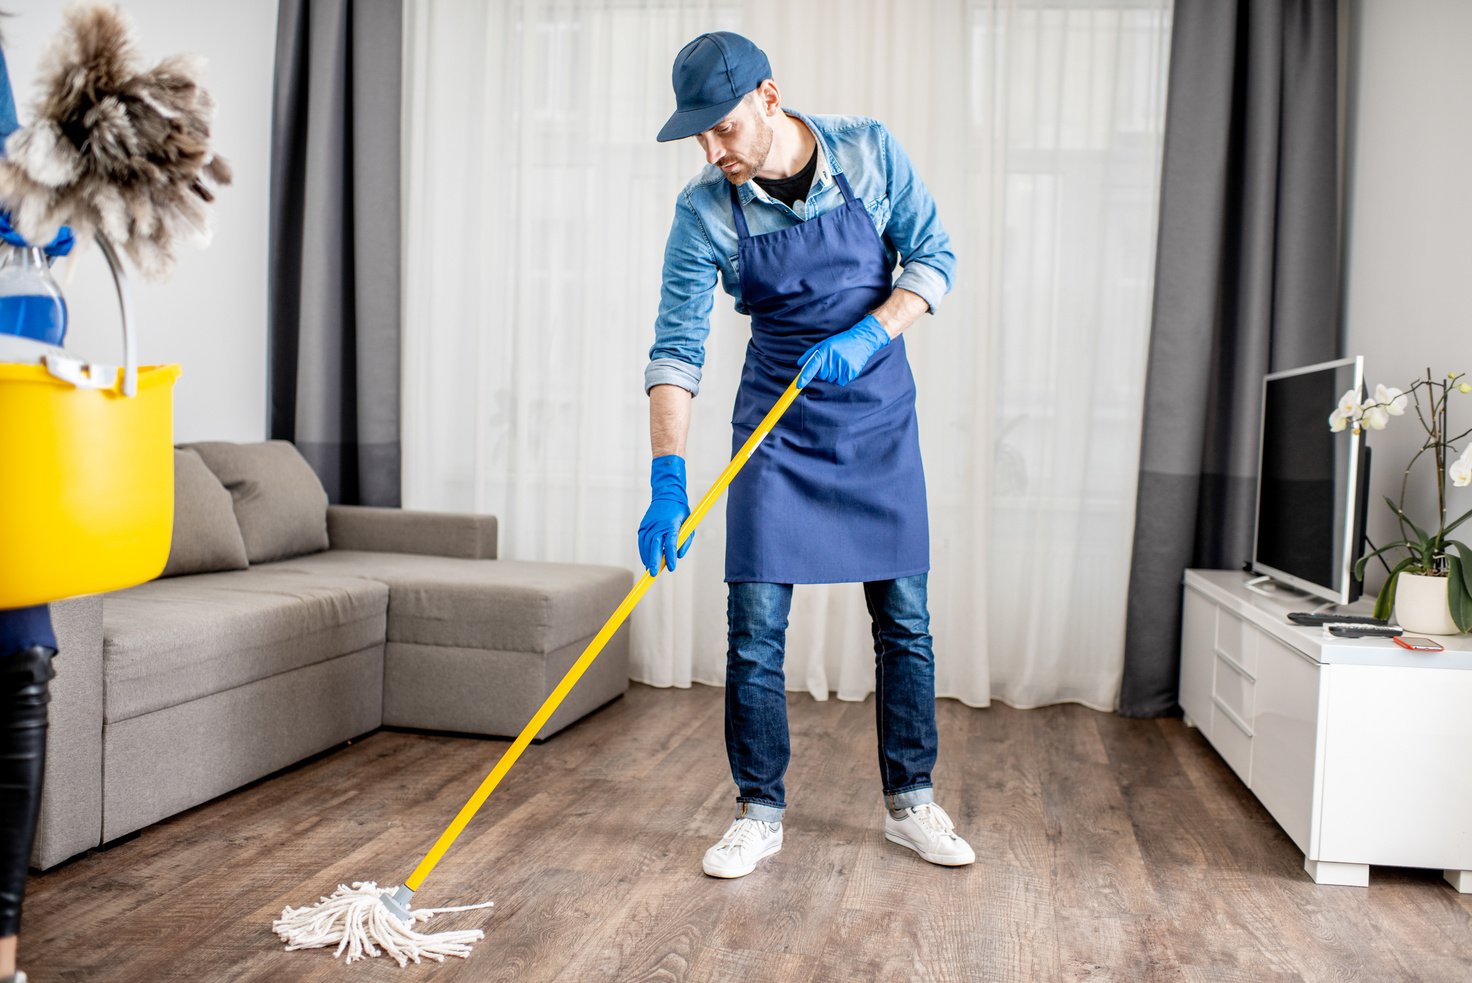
(1268, 587)
(1355, 746)
(1262, 584)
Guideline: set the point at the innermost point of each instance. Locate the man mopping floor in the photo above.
(838, 493)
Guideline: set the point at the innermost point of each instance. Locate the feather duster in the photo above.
(114, 148)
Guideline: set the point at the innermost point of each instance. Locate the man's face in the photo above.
(739, 143)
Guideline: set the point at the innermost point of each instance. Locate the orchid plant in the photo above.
(1429, 553)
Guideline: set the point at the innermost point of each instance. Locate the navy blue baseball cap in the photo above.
(712, 74)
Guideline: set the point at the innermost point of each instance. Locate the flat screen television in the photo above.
(1312, 483)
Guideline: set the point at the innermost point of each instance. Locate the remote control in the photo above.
(1307, 618)
(1362, 631)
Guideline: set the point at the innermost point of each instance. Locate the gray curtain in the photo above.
(1246, 282)
(334, 263)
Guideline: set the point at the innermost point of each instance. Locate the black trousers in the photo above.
(27, 646)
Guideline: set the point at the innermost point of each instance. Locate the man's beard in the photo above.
(747, 166)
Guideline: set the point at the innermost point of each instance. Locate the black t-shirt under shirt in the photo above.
(789, 189)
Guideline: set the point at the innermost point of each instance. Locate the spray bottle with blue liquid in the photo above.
(31, 304)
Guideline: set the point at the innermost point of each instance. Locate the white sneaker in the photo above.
(928, 831)
(747, 842)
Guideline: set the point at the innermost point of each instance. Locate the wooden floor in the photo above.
(1108, 849)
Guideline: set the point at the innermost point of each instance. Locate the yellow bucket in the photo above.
(86, 467)
(87, 493)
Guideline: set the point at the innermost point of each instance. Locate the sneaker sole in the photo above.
(741, 872)
(934, 858)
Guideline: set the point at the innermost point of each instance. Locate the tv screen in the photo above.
(1311, 483)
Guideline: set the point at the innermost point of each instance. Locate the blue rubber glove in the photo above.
(842, 357)
(60, 245)
(660, 531)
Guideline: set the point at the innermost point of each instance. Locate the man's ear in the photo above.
(769, 98)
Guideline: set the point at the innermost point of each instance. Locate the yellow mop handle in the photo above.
(554, 700)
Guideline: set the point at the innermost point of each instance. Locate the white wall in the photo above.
(210, 315)
(1408, 233)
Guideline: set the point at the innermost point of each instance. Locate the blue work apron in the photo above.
(836, 494)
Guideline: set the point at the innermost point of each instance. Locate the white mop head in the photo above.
(354, 919)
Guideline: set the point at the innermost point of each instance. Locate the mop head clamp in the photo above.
(398, 903)
(367, 920)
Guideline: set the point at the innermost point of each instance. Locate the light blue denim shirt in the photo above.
(702, 241)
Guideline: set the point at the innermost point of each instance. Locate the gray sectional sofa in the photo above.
(283, 627)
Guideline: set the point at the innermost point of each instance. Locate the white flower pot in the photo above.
(1421, 606)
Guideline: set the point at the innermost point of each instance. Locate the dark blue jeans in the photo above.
(756, 698)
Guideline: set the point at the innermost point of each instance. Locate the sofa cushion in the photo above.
(206, 535)
(279, 501)
(507, 605)
(169, 641)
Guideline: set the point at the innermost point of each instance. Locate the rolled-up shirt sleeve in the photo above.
(685, 301)
(915, 229)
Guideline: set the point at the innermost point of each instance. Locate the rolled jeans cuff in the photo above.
(672, 372)
(909, 798)
(762, 811)
(925, 281)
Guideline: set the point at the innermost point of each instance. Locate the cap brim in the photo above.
(688, 122)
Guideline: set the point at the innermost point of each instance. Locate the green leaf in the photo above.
(1420, 533)
(1359, 567)
(1385, 600)
(1466, 552)
(1457, 600)
(1461, 519)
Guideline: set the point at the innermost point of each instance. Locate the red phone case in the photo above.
(1401, 641)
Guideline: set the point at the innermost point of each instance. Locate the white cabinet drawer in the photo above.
(1236, 640)
(1233, 690)
(1232, 742)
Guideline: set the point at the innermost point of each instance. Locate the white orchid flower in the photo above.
(1349, 409)
(1349, 403)
(1392, 399)
(1376, 416)
(1388, 402)
(1461, 470)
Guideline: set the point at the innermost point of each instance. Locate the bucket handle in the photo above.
(87, 376)
(125, 303)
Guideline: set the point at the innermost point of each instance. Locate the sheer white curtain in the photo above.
(536, 209)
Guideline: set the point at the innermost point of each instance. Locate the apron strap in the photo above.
(737, 213)
(848, 193)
